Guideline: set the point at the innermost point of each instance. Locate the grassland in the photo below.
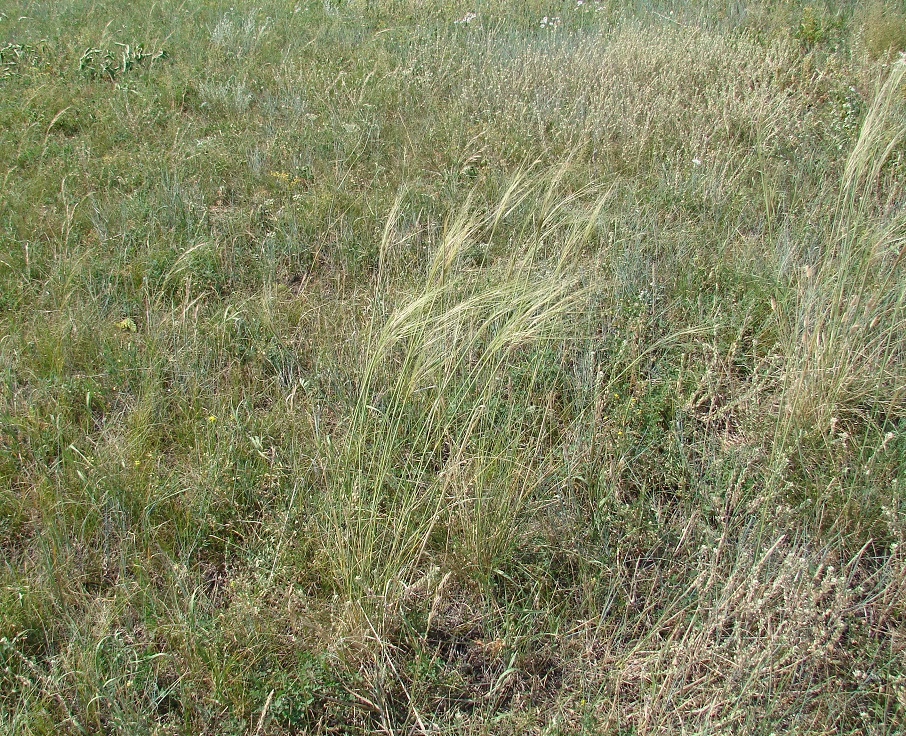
(422, 367)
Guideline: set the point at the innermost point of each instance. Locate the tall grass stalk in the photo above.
(424, 465)
(850, 315)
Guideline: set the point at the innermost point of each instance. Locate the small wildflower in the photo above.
(127, 325)
(212, 418)
(466, 19)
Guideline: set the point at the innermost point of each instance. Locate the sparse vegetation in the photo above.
(415, 367)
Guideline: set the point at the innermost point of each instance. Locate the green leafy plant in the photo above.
(105, 64)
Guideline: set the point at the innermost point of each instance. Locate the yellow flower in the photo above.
(212, 418)
(127, 325)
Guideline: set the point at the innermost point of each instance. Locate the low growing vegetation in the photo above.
(406, 366)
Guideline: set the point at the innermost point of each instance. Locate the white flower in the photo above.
(466, 19)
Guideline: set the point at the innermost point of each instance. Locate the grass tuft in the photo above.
(406, 367)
